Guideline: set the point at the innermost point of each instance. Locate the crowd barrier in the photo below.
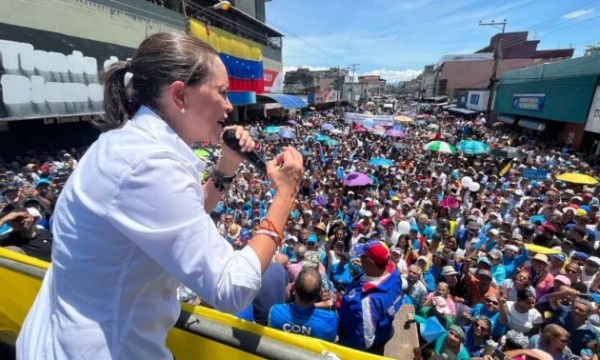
(199, 331)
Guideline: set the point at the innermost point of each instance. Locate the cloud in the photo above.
(577, 14)
(393, 76)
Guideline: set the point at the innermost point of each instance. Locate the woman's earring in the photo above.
(183, 110)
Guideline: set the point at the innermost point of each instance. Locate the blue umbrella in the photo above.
(473, 147)
(287, 134)
(381, 162)
(320, 137)
(368, 123)
(431, 329)
(327, 127)
(271, 130)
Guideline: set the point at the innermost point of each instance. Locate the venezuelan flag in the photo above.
(242, 57)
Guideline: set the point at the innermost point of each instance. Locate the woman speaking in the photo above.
(133, 219)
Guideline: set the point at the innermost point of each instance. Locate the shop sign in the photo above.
(593, 119)
(50, 76)
(71, 119)
(535, 174)
(530, 102)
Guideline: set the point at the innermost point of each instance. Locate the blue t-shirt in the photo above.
(497, 328)
(310, 321)
(272, 291)
(341, 272)
(580, 336)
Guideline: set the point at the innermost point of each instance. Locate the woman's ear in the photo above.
(176, 95)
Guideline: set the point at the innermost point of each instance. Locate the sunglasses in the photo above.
(493, 302)
(481, 327)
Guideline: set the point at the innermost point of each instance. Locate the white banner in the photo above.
(381, 120)
(593, 120)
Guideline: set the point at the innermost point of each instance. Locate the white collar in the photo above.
(150, 122)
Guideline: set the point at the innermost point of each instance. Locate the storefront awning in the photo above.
(506, 119)
(462, 111)
(286, 101)
(532, 124)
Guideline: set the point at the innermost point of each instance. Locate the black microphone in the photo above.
(251, 156)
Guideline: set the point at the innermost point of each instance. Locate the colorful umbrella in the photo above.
(357, 179)
(440, 146)
(576, 178)
(287, 134)
(202, 153)
(508, 152)
(327, 127)
(473, 147)
(272, 137)
(403, 118)
(320, 137)
(377, 131)
(331, 142)
(395, 133)
(271, 130)
(292, 122)
(381, 162)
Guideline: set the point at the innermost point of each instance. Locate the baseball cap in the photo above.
(440, 305)
(594, 259)
(374, 250)
(580, 255)
(42, 181)
(312, 238)
(559, 257)
(495, 254)
(563, 279)
(358, 227)
(484, 260)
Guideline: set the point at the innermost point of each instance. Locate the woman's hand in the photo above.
(285, 172)
(230, 158)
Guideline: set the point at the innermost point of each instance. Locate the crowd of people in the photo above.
(510, 263)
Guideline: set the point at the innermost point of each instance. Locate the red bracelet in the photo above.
(271, 234)
(273, 227)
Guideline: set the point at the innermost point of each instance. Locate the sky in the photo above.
(396, 38)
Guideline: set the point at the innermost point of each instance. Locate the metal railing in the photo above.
(227, 335)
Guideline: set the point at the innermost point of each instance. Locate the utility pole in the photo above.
(354, 67)
(339, 87)
(497, 56)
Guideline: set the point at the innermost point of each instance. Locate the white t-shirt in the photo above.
(129, 226)
(522, 322)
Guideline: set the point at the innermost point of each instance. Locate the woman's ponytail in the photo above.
(116, 101)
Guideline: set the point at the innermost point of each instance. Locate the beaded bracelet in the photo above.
(270, 223)
(277, 234)
(270, 234)
(220, 180)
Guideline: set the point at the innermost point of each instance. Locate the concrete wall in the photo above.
(124, 23)
(476, 74)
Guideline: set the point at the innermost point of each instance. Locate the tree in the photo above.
(592, 49)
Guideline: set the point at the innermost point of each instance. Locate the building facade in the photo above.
(454, 74)
(53, 55)
(560, 98)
